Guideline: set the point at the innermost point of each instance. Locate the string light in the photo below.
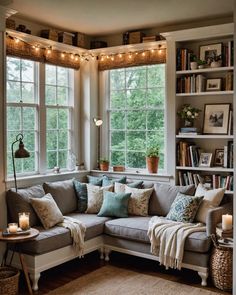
(130, 56)
(112, 58)
(120, 55)
(102, 58)
(143, 54)
(49, 50)
(62, 55)
(72, 56)
(76, 57)
(17, 40)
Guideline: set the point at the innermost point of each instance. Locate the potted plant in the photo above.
(201, 63)
(188, 114)
(216, 61)
(104, 164)
(152, 159)
(193, 63)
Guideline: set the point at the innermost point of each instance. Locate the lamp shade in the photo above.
(21, 152)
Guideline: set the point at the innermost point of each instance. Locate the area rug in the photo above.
(111, 280)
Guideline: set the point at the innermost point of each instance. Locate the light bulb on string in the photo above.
(62, 55)
(17, 40)
(130, 55)
(76, 57)
(143, 54)
(49, 50)
(72, 56)
(120, 55)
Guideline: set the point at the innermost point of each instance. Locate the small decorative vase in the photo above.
(216, 64)
(201, 66)
(193, 65)
(188, 123)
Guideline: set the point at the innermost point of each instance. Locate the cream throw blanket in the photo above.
(77, 232)
(168, 237)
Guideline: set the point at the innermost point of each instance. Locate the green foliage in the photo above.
(188, 112)
(103, 160)
(152, 152)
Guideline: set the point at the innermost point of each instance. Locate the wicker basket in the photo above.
(221, 266)
(9, 280)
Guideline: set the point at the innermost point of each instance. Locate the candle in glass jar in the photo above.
(12, 228)
(24, 221)
(227, 221)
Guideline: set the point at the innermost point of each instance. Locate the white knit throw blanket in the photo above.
(77, 232)
(168, 238)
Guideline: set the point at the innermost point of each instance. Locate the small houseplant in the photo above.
(188, 114)
(104, 164)
(152, 159)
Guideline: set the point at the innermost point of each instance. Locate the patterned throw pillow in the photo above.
(120, 187)
(108, 181)
(139, 200)
(47, 210)
(115, 205)
(184, 208)
(81, 194)
(95, 197)
(94, 180)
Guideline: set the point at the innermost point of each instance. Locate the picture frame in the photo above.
(213, 84)
(207, 52)
(219, 158)
(205, 160)
(216, 118)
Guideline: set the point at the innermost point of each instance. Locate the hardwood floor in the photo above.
(67, 272)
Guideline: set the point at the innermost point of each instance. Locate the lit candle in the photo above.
(227, 221)
(12, 228)
(24, 221)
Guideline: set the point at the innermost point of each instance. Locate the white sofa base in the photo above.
(37, 264)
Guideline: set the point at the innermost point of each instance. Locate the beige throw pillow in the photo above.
(212, 198)
(119, 187)
(138, 201)
(47, 210)
(95, 197)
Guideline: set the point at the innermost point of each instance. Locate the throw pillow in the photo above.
(120, 187)
(139, 200)
(47, 211)
(212, 198)
(184, 208)
(115, 205)
(81, 194)
(94, 180)
(108, 181)
(95, 197)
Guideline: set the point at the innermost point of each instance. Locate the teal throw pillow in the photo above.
(115, 205)
(184, 208)
(94, 180)
(81, 194)
(136, 184)
(108, 181)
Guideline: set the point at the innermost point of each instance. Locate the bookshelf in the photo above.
(188, 91)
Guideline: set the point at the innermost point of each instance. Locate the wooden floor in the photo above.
(60, 275)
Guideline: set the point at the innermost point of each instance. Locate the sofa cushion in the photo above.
(108, 181)
(94, 180)
(59, 237)
(115, 205)
(135, 228)
(64, 195)
(163, 196)
(81, 194)
(47, 211)
(20, 202)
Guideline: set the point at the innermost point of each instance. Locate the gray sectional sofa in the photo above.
(127, 235)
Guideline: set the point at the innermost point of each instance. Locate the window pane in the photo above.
(52, 159)
(52, 118)
(27, 68)
(117, 120)
(28, 92)
(117, 140)
(29, 163)
(63, 116)
(63, 140)
(62, 76)
(136, 120)
(50, 74)
(117, 158)
(29, 141)
(50, 95)
(135, 159)
(13, 92)
(62, 96)
(136, 78)
(13, 69)
(62, 159)
(155, 120)
(136, 98)
(156, 97)
(13, 118)
(156, 76)
(118, 99)
(117, 79)
(29, 118)
(52, 140)
(136, 141)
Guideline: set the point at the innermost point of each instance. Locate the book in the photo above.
(188, 129)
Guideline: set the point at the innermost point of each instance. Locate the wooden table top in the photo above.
(19, 238)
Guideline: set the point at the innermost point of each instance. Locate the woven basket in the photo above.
(9, 280)
(221, 266)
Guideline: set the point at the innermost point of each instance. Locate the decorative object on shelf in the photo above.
(12, 228)
(135, 37)
(189, 114)
(223, 234)
(71, 162)
(229, 81)
(80, 166)
(56, 169)
(98, 123)
(49, 34)
(216, 118)
(193, 65)
(209, 52)
(98, 44)
(20, 153)
(227, 222)
(219, 158)
(118, 168)
(152, 159)
(205, 160)
(213, 84)
(24, 220)
(104, 164)
(201, 63)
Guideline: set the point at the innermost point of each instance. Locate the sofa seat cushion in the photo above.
(136, 228)
(59, 237)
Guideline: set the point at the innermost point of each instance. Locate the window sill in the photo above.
(41, 178)
(132, 174)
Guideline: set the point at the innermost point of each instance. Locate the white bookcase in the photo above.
(192, 39)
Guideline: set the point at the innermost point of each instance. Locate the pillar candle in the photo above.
(12, 228)
(24, 221)
(227, 222)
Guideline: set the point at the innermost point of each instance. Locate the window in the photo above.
(24, 100)
(136, 114)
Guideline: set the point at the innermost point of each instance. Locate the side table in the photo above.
(17, 240)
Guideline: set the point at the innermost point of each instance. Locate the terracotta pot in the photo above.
(104, 166)
(152, 164)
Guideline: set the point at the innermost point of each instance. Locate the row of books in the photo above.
(191, 84)
(229, 155)
(184, 56)
(210, 181)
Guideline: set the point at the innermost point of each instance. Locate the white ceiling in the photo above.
(103, 17)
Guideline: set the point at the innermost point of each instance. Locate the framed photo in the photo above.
(207, 52)
(219, 157)
(205, 159)
(213, 84)
(216, 118)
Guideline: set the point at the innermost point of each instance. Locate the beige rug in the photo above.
(110, 280)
